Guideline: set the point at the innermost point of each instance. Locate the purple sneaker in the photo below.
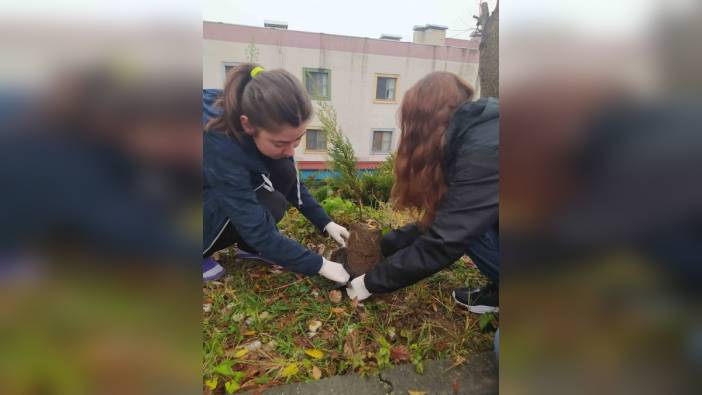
(241, 254)
(211, 270)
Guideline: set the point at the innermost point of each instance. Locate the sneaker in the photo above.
(211, 270)
(241, 254)
(479, 300)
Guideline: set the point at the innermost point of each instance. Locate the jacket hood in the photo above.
(468, 115)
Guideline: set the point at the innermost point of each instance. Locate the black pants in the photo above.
(283, 176)
(484, 250)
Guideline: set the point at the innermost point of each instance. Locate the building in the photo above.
(363, 78)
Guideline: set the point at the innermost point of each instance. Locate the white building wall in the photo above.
(352, 84)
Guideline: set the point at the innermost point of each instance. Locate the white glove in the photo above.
(334, 271)
(357, 289)
(337, 232)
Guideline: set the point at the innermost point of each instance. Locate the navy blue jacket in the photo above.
(232, 172)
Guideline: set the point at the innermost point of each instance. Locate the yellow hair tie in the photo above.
(255, 71)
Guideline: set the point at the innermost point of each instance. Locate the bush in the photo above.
(322, 193)
(377, 186)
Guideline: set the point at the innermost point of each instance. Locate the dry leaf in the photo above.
(289, 370)
(391, 333)
(241, 353)
(335, 296)
(253, 346)
(399, 353)
(314, 325)
(354, 303)
(316, 373)
(348, 349)
(249, 333)
(455, 386)
(338, 310)
(314, 353)
(206, 307)
(415, 392)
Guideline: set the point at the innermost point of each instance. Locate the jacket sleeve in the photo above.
(469, 207)
(255, 224)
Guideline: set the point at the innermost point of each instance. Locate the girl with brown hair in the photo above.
(447, 170)
(250, 176)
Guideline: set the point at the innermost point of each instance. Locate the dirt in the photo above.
(363, 250)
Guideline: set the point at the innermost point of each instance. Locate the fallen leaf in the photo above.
(212, 383)
(249, 333)
(316, 373)
(237, 317)
(289, 370)
(314, 325)
(354, 303)
(241, 353)
(455, 386)
(265, 315)
(335, 296)
(253, 346)
(206, 307)
(225, 369)
(231, 386)
(338, 310)
(414, 392)
(399, 353)
(314, 353)
(348, 349)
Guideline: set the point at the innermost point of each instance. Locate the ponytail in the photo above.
(271, 100)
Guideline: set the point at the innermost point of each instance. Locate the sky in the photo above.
(362, 18)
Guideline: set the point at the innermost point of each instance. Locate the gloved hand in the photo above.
(334, 271)
(357, 288)
(337, 232)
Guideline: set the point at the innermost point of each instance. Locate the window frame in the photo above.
(317, 151)
(372, 137)
(375, 88)
(306, 70)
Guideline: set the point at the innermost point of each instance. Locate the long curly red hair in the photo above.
(427, 108)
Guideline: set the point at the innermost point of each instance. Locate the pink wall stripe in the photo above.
(458, 51)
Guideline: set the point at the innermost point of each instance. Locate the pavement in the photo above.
(478, 375)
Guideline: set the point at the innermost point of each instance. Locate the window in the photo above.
(386, 88)
(228, 66)
(318, 83)
(382, 141)
(315, 140)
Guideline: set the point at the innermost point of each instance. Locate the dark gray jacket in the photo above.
(468, 209)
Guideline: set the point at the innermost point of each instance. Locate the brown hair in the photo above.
(271, 100)
(425, 113)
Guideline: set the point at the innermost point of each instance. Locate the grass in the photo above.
(259, 303)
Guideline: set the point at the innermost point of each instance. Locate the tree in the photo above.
(342, 157)
(489, 66)
(252, 52)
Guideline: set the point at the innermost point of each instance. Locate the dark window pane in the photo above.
(385, 88)
(381, 141)
(317, 83)
(315, 140)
